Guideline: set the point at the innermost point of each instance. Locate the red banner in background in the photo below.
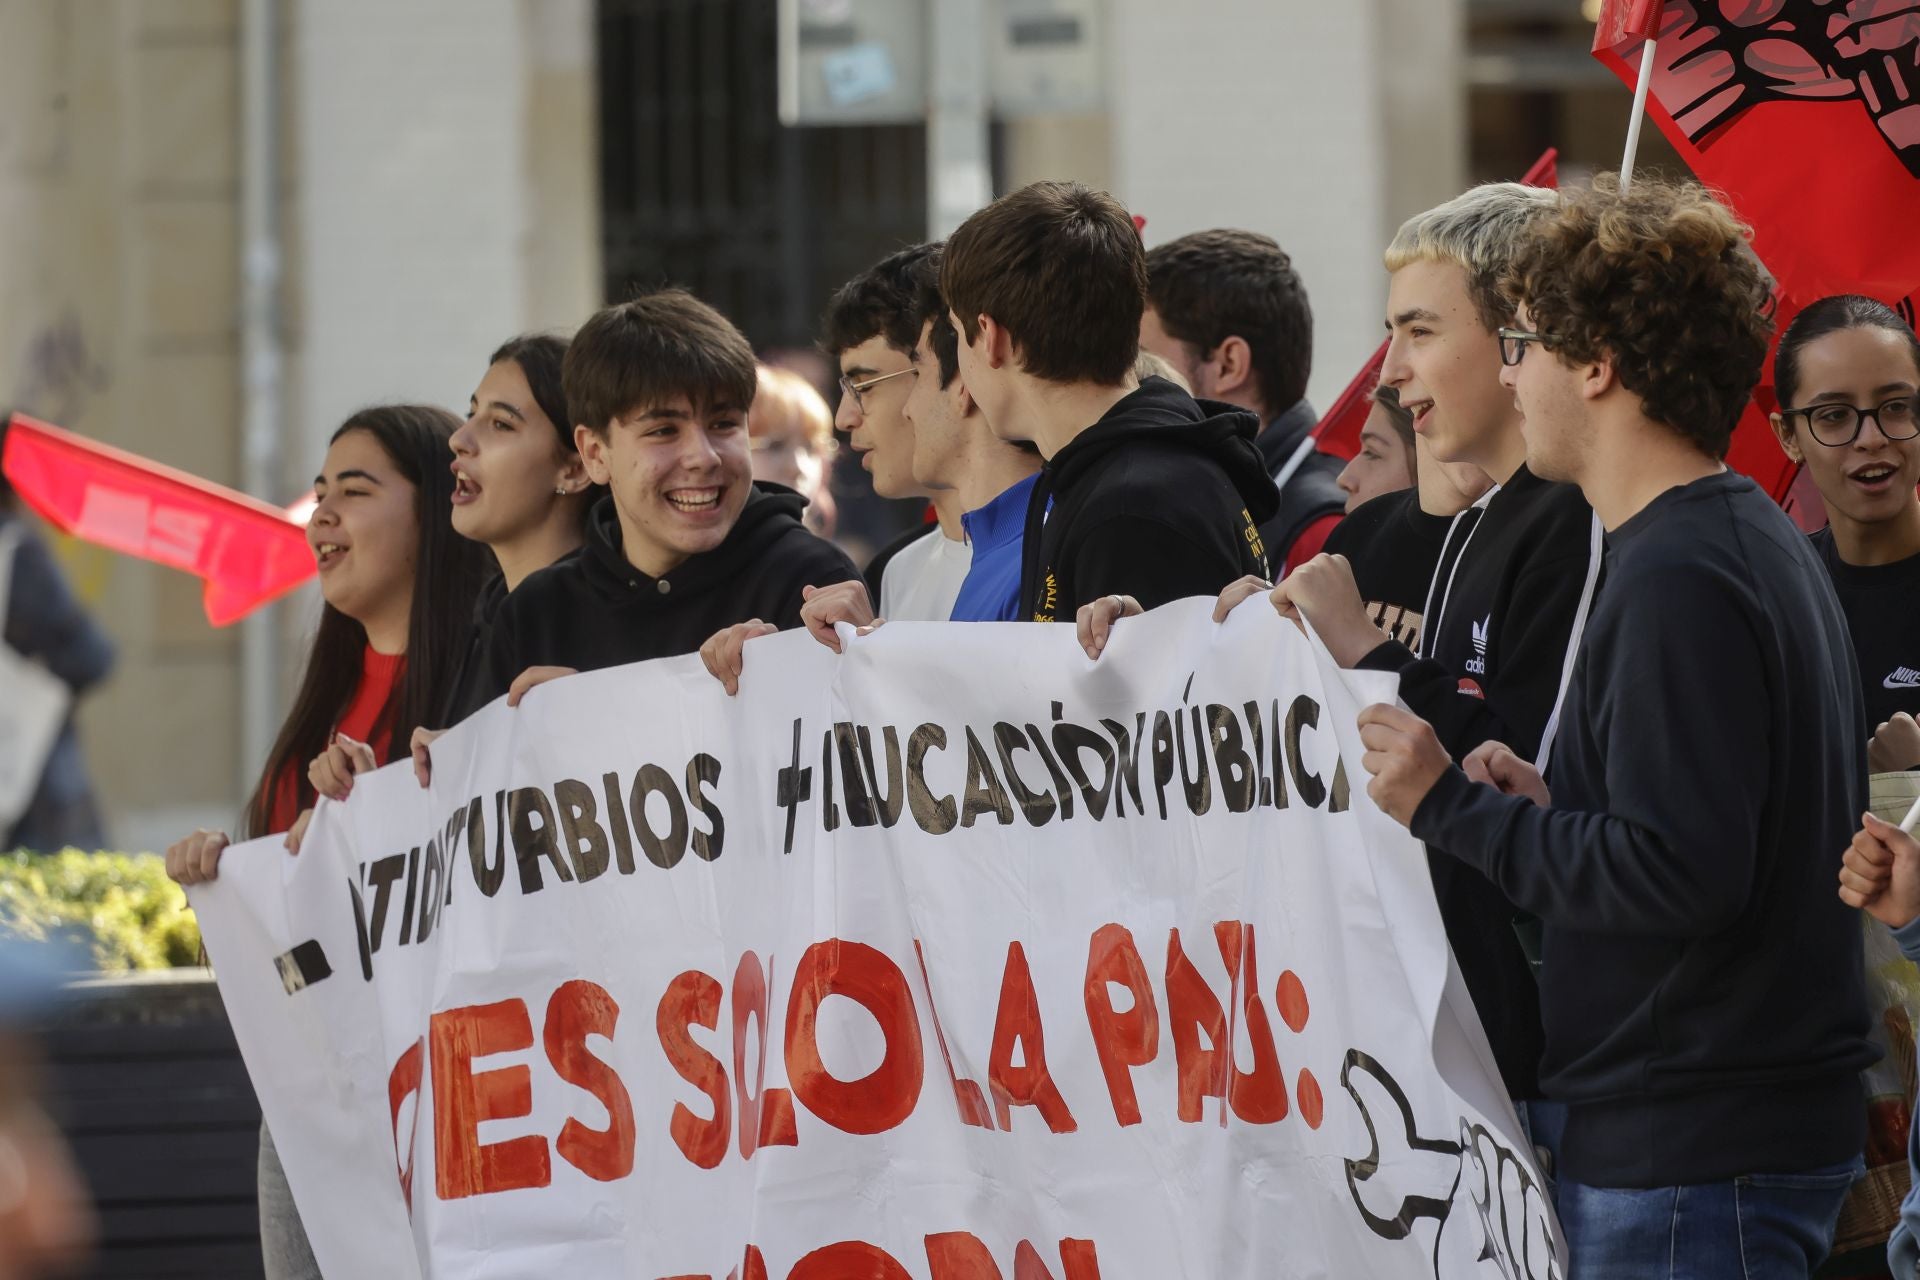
(1339, 428)
(245, 551)
(1805, 117)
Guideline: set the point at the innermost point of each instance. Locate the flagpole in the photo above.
(1639, 113)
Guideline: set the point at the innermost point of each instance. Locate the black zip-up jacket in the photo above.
(1702, 981)
(1511, 586)
(1160, 499)
(1393, 548)
(1505, 605)
(595, 610)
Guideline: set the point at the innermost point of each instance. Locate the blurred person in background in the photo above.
(790, 431)
(45, 622)
(47, 1224)
(1227, 309)
(398, 585)
(1386, 462)
(1149, 365)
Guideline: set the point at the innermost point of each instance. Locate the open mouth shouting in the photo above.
(328, 554)
(465, 488)
(1421, 410)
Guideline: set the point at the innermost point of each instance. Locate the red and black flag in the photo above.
(1805, 116)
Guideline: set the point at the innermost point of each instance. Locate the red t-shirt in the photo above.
(379, 675)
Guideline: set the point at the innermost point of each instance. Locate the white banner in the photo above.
(954, 958)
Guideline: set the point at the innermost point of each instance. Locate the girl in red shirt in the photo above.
(397, 582)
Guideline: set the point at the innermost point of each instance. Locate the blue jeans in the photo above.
(1764, 1226)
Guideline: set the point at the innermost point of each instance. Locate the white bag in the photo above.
(33, 704)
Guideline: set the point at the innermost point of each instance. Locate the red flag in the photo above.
(1805, 114)
(1773, 104)
(246, 551)
(1338, 431)
(1639, 18)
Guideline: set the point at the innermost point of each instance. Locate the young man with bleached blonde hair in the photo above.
(1500, 619)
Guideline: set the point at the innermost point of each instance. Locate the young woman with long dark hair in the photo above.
(397, 583)
(520, 488)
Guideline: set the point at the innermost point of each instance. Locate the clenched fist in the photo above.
(1716, 58)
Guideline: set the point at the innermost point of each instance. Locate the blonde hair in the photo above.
(1149, 365)
(1477, 231)
(785, 397)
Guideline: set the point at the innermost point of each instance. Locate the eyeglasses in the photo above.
(1513, 344)
(1838, 425)
(858, 390)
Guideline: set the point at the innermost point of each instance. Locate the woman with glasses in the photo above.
(1848, 379)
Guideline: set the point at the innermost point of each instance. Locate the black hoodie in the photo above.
(1160, 499)
(595, 610)
(470, 673)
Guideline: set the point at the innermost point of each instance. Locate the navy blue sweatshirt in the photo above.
(1702, 987)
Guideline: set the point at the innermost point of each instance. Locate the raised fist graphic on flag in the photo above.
(1721, 57)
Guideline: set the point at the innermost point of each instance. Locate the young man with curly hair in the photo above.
(1701, 986)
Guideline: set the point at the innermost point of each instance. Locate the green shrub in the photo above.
(121, 905)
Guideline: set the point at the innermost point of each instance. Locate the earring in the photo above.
(563, 491)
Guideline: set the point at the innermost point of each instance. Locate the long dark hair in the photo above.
(1831, 315)
(448, 572)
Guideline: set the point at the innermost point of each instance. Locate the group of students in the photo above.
(1640, 705)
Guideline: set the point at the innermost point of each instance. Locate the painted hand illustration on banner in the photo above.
(1718, 58)
(1406, 1177)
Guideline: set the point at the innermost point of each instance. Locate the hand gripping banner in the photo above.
(958, 957)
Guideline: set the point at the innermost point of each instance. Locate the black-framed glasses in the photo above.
(1838, 425)
(858, 390)
(1513, 344)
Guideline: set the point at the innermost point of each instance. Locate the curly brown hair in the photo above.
(1661, 281)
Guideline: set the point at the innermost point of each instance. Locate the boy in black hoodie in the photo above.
(686, 543)
(1703, 990)
(1145, 491)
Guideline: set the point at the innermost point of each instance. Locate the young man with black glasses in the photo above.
(872, 327)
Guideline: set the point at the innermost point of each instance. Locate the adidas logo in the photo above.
(1902, 678)
(1477, 664)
